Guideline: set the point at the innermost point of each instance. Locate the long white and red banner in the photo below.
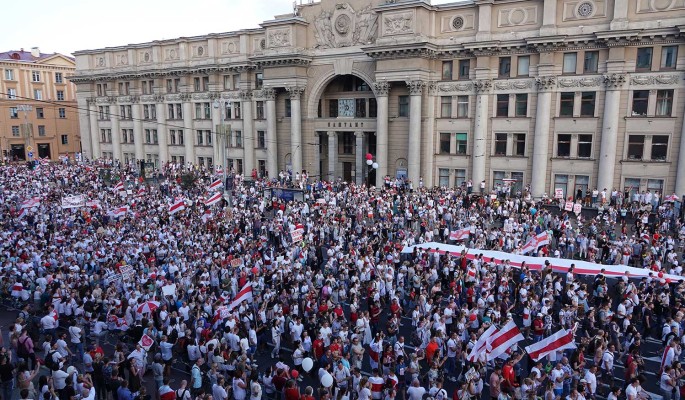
(245, 294)
(561, 340)
(560, 265)
(503, 339)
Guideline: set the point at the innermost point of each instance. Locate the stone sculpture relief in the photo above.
(343, 27)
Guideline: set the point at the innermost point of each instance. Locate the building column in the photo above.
(295, 127)
(332, 154)
(84, 127)
(381, 89)
(360, 161)
(680, 171)
(549, 17)
(480, 134)
(609, 135)
(217, 123)
(94, 131)
(414, 149)
(137, 114)
(116, 137)
(162, 132)
(271, 135)
(188, 134)
(248, 133)
(429, 136)
(538, 178)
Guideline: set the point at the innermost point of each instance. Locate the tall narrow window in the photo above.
(566, 104)
(447, 70)
(664, 102)
(644, 59)
(446, 106)
(591, 62)
(570, 61)
(504, 67)
(523, 66)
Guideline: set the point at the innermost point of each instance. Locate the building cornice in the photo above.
(281, 60)
(409, 50)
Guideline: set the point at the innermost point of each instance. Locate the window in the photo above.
(636, 146)
(591, 62)
(640, 101)
(570, 60)
(655, 185)
(504, 67)
(35, 76)
(520, 144)
(446, 106)
(523, 66)
(584, 146)
(502, 105)
(259, 80)
(669, 56)
(644, 59)
(15, 130)
(445, 143)
(172, 85)
(62, 112)
(40, 112)
(360, 108)
(201, 161)
(517, 182)
(9, 74)
(403, 106)
(521, 105)
(348, 142)
(587, 104)
(106, 135)
(210, 162)
(146, 111)
(59, 78)
(459, 177)
(462, 106)
(181, 137)
(563, 145)
(333, 108)
(11, 93)
(447, 70)
(261, 139)
(125, 112)
(239, 165)
(38, 94)
(148, 137)
(464, 69)
(172, 136)
(208, 137)
(582, 182)
(500, 144)
(175, 111)
(664, 102)
(288, 109)
(41, 130)
(205, 83)
(200, 138)
(238, 139)
(443, 177)
(103, 112)
(373, 108)
(227, 81)
(498, 178)
(237, 110)
(461, 143)
(261, 167)
(100, 90)
(196, 84)
(146, 87)
(236, 81)
(566, 104)
(561, 182)
(14, 113)
(659, 147)
(60, 95)
(259, 109)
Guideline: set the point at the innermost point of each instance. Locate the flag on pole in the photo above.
(176, 206)
(245, 294)
(460, 234)
(561, 340)
(216, 197)
(501, 341)
(30, 203)
(481, 343)
(542, 239)
(216, 185)
(120, 211)
(119, 186)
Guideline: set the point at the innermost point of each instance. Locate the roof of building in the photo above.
(26, 56)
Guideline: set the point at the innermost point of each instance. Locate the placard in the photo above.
(169, 290)
(568, 206)
(558, 193)
(73, 201)
(236, 262)
(126, 272)
(296, 235)
(577, 208)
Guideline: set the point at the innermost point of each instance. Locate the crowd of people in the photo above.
(119, 290)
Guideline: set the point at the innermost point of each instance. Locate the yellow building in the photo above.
(38, 111)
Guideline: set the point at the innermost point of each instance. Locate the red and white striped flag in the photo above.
(460, 234)
(120, 211)
(17, 289)
(214, 199)
(141, 191)
(176, 206)
(206, 216)
(22, 213)
(561, 340)
(94, 204)
(30, 203)
(542, 238)
(119, 186)
(530, 246)
(245, 294)
(216, 185)
(501, 341)
(481, 343)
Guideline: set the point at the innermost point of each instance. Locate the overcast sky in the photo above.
(71, 25)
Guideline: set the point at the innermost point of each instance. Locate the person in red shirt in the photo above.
(538, 328)
(318, 347)
(431, 349)
(336, 349)
(508, 374)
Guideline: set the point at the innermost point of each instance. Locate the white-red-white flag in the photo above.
(501, 341)
(214, 199)
(30, 203)
(216, 185)
(22, 213)
(141, 191)
(245, 294)
(120, 211)
(542, 239)
(94, 204)
(460, 234)
(481, 343)
(561, 340)
(119, 186)
(206, 216)
(176, 206)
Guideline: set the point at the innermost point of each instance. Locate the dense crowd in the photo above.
(116, 293)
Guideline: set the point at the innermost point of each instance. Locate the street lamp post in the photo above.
(221, 132)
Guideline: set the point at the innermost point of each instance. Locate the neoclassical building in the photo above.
(558, 94)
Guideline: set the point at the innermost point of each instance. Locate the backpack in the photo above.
(50, 361)
(22, 348)
(183, 393)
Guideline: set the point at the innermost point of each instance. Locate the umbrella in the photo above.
(148, 307)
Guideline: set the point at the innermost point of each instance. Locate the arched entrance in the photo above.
(346, 124)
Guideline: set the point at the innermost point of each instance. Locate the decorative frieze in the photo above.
(513, 85)
(663, 79)
(455, 87)
(580, 82)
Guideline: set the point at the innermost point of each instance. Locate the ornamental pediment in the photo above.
(342, 26)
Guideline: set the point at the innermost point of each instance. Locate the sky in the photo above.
(72, 25)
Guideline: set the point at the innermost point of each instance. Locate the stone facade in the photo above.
(556, 94)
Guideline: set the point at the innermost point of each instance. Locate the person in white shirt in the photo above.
(666, 383)
(591, 380)
(75, 333)
(633, 389)
(219, 391)
(608, 365)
